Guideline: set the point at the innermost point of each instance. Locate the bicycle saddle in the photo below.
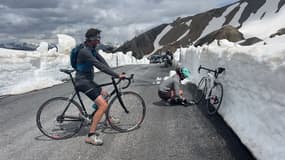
(67, 71)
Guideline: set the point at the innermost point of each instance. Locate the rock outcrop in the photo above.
(250, 41)
(227, 32)
(278, 33)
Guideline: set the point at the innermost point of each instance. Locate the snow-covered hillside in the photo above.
(246, 15)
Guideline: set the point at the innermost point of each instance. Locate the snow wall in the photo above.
(254, 95)
(24, 71)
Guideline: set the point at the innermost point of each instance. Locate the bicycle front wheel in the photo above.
(215, 98)
(201, 90)
(121, 120)
(59, 118)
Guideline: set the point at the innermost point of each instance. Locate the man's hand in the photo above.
(122, 76)
(104, 93)
(182, 98)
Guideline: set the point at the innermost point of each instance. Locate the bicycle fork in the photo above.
(119, 94)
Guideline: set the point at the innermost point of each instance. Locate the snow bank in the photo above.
(254, 91)
(65, 43)
(23, 71)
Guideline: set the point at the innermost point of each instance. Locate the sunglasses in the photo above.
(94, 38)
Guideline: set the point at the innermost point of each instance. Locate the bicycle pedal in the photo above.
(214, 100)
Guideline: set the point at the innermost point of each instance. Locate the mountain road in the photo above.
(168, 132)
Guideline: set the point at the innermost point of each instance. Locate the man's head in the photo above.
(93, 36)
(183, 72)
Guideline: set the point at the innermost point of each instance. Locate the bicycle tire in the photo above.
(136, 107)
(201, 90)
(213, 105)
(49, 120)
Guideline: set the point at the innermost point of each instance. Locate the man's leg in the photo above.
(181, 92)
(172, 94)
(184, 100)
(102, 107)
(172, 97)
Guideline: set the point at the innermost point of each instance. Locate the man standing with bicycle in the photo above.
(88, 57)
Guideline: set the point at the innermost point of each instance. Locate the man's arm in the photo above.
(102, 66)
(101, 59)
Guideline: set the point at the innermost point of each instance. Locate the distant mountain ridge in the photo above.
(19, 46)
(188, 30)
(24, 46)
(141, 44)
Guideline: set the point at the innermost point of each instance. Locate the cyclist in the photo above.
(168, 58)
(170, 91)
(169, 54)
(86, 59)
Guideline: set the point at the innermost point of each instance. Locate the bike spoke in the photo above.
(131, 120)
(215, 98)
(58, 120)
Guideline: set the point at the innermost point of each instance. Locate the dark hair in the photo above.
(178, 71)
(182, 72)
(92, 32)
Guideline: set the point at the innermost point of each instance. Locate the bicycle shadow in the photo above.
(42, 138)
(164, 104)
(101, 127)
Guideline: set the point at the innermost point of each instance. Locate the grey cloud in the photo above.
(30, 3)
(119, 20)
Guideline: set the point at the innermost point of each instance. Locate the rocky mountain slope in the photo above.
(219, 23)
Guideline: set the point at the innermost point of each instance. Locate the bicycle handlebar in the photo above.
(208, 69)
(131, 77)
(217, 71)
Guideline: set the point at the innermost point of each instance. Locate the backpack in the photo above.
(73, 55)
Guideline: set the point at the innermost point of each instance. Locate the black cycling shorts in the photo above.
(89, 88)
(164, 95)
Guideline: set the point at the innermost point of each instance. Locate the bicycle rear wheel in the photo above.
(200, 91)
(59, 118)
(134, 103)
(215, 98)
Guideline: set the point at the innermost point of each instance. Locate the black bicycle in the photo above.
(211, 89)
(63, 117)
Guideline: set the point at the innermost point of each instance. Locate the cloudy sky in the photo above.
(120, 20)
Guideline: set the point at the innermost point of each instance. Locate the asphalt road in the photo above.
(168, 132)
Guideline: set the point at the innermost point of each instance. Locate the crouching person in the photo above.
(170, 89)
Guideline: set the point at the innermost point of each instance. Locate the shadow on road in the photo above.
(42, 138)
(161, 104)
(233, 142)
(83, 132)
(166, 105)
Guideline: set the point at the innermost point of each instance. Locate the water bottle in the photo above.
(95, 107)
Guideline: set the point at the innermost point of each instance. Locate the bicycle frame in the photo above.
(210, 81)
(69, 114)
(211, 78)
(116, 91)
